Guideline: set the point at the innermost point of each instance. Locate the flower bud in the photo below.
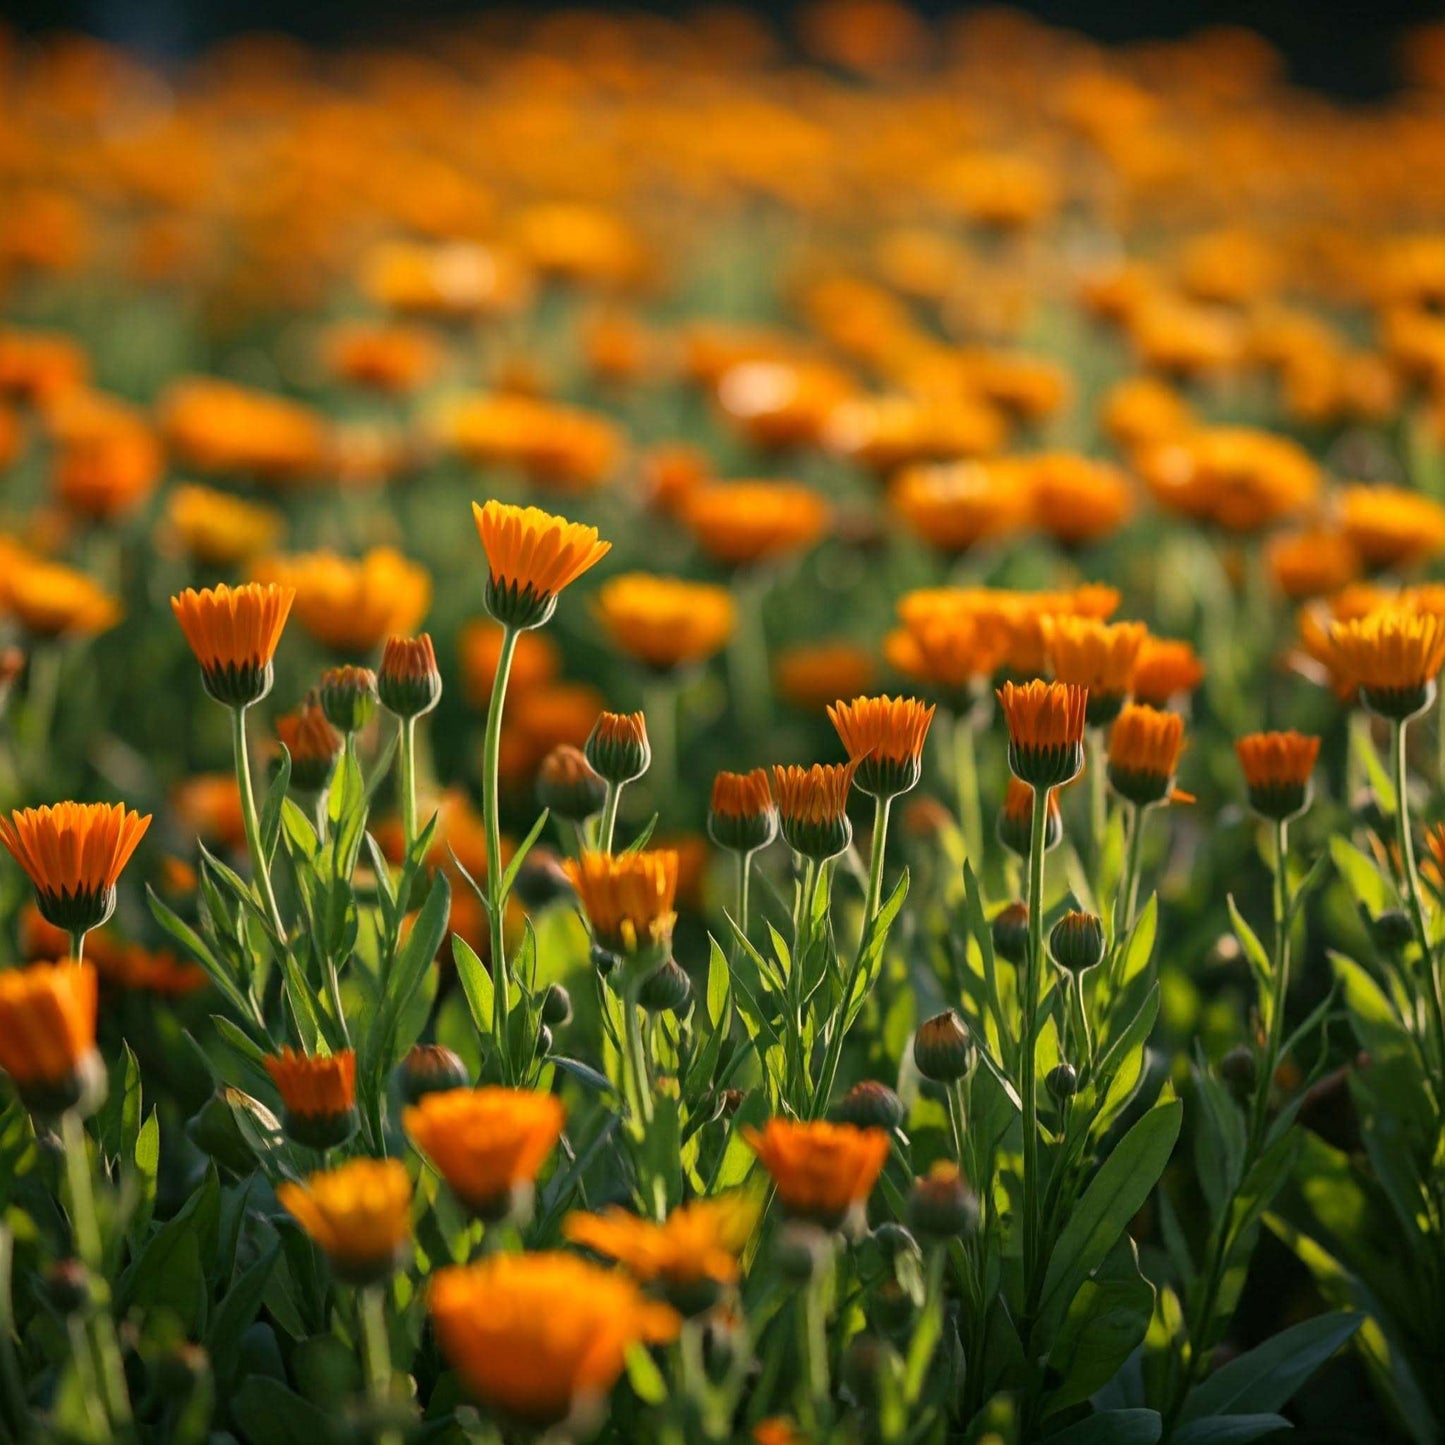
(742, 816)
(1062, 1082)
(67, 1287)
(1077, 941)
(802, 1251)
(941, 1206)
(544, 1041)
(409, 682)
(1392, 930)
(430, 1069)
(941, 1048)
(313, 745)
(667, 990)
(540, 881)
(556, 1006)
(348, 697)
(871, 1105)
(1011, 933)
(1239, 1070)
(617, 747)
(567, 785)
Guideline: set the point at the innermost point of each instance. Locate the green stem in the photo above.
(636, 1062)
(881, 808)
(608, 827)
(406, 755)
(813, 1348)
(496, 903)
(660, 702)
(77, 944)
(376, 1350)
(1033, 965)
(747, 659)
(1128, 899)
(1098, 797)
(17, 1408)
(744, 884)
(965, 779)
(1404, 839)
(260, 869)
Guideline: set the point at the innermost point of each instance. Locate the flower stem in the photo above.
(1128, 898)
(77, 944)
(965, 780)
(1033, 965)
(376, 1350)
(660, 703)
(745, 878)
(260, 869)
(881, 808)
(1405, 843)
(406, 761)
(608, 826)
(496, 903)
(813, 1348)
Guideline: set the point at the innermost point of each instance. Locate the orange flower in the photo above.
(74, 854)
(37, 367)
(629, 900)
(359, 1213)
(671, 474)
(1144, 749)
(810, 676)
(488, 1144)
(884, 737)
(1163, 669)
(1311, 563)
(824, 1172)
(47, 1036)
(542, 1337)
(234, 632)
(531, 557)
(314, 746)
(209, 804)
(1277, 769)
(948, 649)
(217, 529)
(50, 600)
(1391, 527)
(221, 427)
(955, 505)
(408, 682)
(742, 815)
(618, 748)
(1143, 410)
(1078, 501)
(352, 606)
(812, 807)
(318, 1092)
(695, 1250)
(107, 460)
(1392, 656)
(561, 447)
(740, 523)
(665, 622)
(385, 358)
(1046, 730)
(1095, 655)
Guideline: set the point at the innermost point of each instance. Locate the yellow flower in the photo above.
(665, 622)
(1144, 749)
(358, 1213)
(51, 600)
(1392, 656)
(352, 606)
(629, 899)
(1391, 526)
(531, 557)
(739, 523)
(217, 529)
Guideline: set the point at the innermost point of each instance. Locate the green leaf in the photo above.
(267, 1413)
(718, 991)
(147, 1161)
(1259, 960)
(1114, 1196)
(236, 1311)
(1112, 1427)
(1229, 1429)
(192, 942)
(644, 837)
(1364, 879)
(509, 874)
(476, 983)
(644, 1376)
(271, 808)
(1268, 1376)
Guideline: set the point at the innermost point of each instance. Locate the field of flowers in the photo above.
(718, 737)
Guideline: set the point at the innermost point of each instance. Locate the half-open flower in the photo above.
(1095, 655)
(1144, 749)
(630, 902)
(1393, 657)
(47, 1037)
(318, 1095)
(1045, 731)
(233, 632)
(359, 1213)
(531, 557)
(314, 745)
(824, 1172)
(742, 816)
(813, 808)
(1277, 769)
(884, 737)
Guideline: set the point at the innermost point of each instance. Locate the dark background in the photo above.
(1347, 47)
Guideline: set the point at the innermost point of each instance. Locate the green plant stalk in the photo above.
(1028, 1071)
(747, 657)
(260, 869)
(608, 826)
(813, 1350)
(406, 763)
(744, 887)
(85, 1228)
(376, 1352)
(16, 1416)
(881, 808)
(1129, 884)
(77, 944)
(1098, 797)
(965, 781)
(496, 903)
(1404, 840)
(660, 703)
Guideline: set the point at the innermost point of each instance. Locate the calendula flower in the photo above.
(568, 787)
(74, 853)
(50, 600)
(884, 737)
(234, 632)
(1311, 563)
(948, 650)
(742, 523)
(47, 1037)
(359, 1213)
(813, 808)
(314, 746)
(1016, 819)
(488, 1144)
(209, 805)
(408, 682)
(742, 816)
(617, 747)
(955, 505)
(812, 675)
(542, 1337)
(1144, 749)
(106, 460)
(824, 1172)
(348, 697)
(531, 557)
(1077, 500)
(318, 1095)
(217, 529)
(1391, 527)
(1277, 769)
(221, 427)
(1393, 657)
(1095, 655)
(1046, 731)
(1141, 411)
(630, 902)
(352, 606)
(387, 358)
(665, 622)
(1164, 670)
(690, 1255)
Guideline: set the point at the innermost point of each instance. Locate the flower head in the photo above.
(217, 529)
(47, 1036)
(313, 744)
(665, 622)
(630, 902)
(233, 632)
(568, 786)
(742, 815)
(1077, 500)
(813, 807)
(1046, 730)
(1393, 657)
(810, 675)
(692, 1253)
(884, 737)
(1144, 749)
(531, 557)
(824, 1172)
(348, 697)
(408, 682)
(1016, 819)
(1163, 670)
(359, 1213)
(1311, 563)
(352, 606)
(1096, 655)
(51, 600)
(1277, 769)
(1391, 527)
(318, 1095)
(542, 1337)
(617, 747)
(488, 1144)
(74, 854)
(740, 523)
(955, 505)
